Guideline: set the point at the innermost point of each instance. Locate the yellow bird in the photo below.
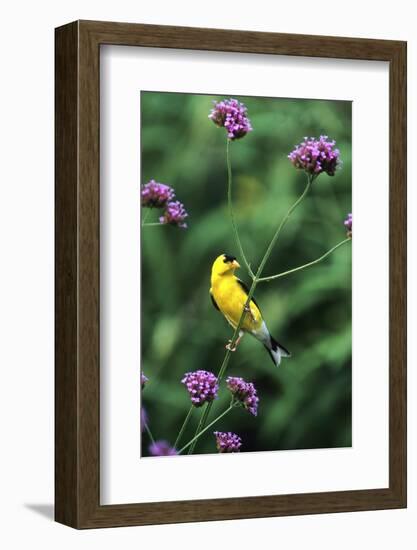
(229, 295)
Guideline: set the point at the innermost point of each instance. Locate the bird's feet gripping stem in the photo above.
(234, 347)
(247, 309)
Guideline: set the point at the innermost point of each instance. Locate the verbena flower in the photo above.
(143, 418)
(201, 385)
(174, 214)
(143, 380)
(161, 448)
(348, 224)
(244, 392)
(231, 115)
(315, 156)
(156, 195)
(228, 442)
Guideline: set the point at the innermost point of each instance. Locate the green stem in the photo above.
(184, 425)
(255, 281)
(258, 275)
(231, 212)
(145, 216)
(281, 226)
(152, 223)
(199, 434)
(299, 268)
(149, 433)
(199, 427)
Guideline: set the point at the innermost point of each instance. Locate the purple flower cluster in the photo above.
(161, 448)
(231, 115)
(160, 195)
(174, 214)
(348, 224)
(201, 385)
(143, 380)
(244, 392)
(156, 195)
(228, 442)
(315, 156)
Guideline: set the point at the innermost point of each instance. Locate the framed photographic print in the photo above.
(227, 345)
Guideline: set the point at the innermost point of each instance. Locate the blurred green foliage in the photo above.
(306, 403)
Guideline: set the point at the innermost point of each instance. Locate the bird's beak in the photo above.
(235, 264)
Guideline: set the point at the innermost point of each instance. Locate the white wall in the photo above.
(26, 289)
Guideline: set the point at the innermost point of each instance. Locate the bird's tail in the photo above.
(276, 351)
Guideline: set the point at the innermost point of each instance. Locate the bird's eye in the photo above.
(229, 259)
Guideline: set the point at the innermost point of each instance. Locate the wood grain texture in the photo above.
(66, 237)
(398, 274)
(78, 285)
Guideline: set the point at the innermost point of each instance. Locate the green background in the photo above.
(306, 403)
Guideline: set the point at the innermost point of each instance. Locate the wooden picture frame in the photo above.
(77, 384)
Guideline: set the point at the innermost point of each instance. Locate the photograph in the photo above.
(246, 279)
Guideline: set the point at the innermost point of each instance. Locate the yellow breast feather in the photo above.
(230, 297)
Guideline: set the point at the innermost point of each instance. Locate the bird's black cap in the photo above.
(229, 259)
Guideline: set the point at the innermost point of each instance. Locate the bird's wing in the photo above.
(246, 289)
(214, 301)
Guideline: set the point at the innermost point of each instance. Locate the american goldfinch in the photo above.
(229, 295)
